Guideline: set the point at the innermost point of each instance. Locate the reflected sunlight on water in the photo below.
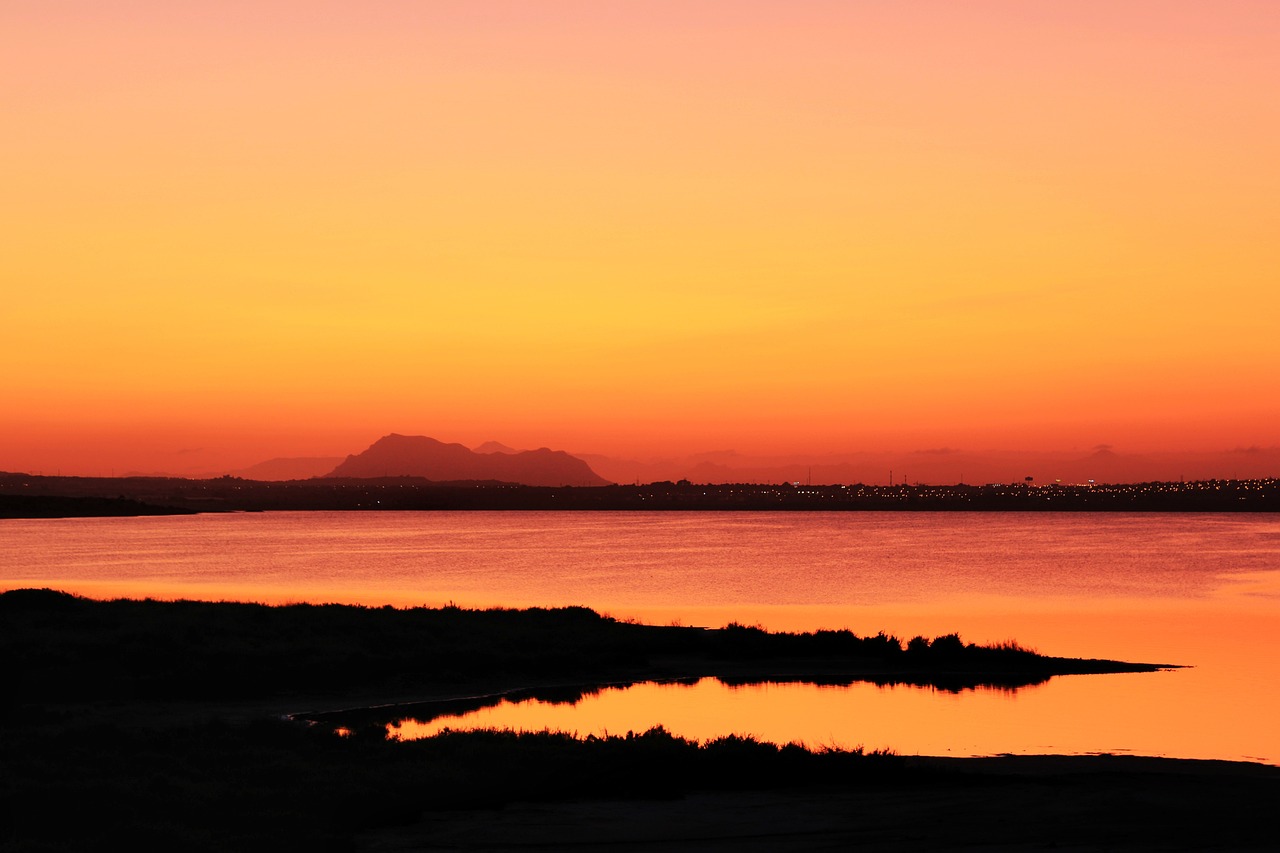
(1195, 589)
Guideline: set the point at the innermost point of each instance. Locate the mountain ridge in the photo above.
(396, 455)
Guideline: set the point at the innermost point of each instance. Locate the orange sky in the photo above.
(237, 230)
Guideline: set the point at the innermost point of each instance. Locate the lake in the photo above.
(1201, 590)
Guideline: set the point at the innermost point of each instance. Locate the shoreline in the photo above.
(31, 496)
(75, 648)
(162, 722)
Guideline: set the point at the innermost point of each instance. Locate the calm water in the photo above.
(1202, 590)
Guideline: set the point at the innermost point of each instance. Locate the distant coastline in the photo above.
(35, 496)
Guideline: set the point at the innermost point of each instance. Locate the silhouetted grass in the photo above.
(69, 781)
(58, 647)
(283, 786)
(277, 786)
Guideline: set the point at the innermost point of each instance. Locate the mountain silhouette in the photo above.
(419, 456)
(289, 468)
(494, 447)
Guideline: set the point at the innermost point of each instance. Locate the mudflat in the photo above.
(1094, 803)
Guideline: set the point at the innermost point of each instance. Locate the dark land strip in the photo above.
(132, 725)
(32, 496)
(1090, 803)
(61, 647)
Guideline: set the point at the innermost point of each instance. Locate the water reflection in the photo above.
(905, 718)
(699, 708)
(832, 714)
(1196, 589)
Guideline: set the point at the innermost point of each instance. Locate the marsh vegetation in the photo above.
(60, 647)
(149, 724)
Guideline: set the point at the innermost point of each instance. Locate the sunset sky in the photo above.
(235, 230)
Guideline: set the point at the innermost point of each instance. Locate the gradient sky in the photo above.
(237, 230)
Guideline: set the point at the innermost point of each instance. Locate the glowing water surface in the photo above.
(1195, 589)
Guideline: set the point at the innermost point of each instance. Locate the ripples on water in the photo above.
(619, 560)
(1200, 589)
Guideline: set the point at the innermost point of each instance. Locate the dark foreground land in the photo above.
(149, 725)
(32, 496)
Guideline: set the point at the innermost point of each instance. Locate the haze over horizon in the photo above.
(238, 231)
(937, 466)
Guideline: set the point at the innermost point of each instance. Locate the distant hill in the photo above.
(419, 456)
(494, 447)
(290, 468)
